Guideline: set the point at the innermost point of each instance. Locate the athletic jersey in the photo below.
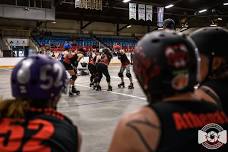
(43, 130)
(74, 60)
(123, 59)
(67, 58)
(220, 87)
(92, 59)
(180, 122)
(105, 59)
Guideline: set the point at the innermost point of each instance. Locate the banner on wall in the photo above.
(160, 13)
(141, 12)
(77, 3)
(89, 4)
(132, 11)
(18, 42)
(149, 13)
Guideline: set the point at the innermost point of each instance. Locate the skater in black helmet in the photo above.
(166, 65)
(68, 61)
(169, 24)
(102, 68)
(212, 45)
(92, 66)
(125, 65)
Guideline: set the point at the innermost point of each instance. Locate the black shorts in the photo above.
(68, 66)
(92, 68)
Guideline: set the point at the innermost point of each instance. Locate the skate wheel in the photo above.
(71, 95)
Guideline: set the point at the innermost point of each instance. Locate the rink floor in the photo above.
(95, 113)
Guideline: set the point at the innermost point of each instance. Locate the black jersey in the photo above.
(41, 131)
(74, 60)
(220, 87)
(181, 121)
(123, 59)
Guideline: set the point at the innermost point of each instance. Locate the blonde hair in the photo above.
(13, 108)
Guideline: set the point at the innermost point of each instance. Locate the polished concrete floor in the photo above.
(95, 113)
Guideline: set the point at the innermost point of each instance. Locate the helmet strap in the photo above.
(210, 59)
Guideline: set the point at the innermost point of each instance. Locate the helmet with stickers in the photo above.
(166, 63)
(38, 78)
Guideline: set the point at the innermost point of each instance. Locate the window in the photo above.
(23, 2)
(38, 3)
(32, 4)
(8, 2)
(46, 4)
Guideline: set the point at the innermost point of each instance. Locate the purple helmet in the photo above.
(38, 78)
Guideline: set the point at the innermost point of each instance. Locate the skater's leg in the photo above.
(108, 78)
(98, 77)
(128, 74)
(120, 74)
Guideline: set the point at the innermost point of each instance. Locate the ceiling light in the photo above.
(225, 4)
(169, 6)
(204, 10)
(54, 22)
(129, 26)
(220, 19)
(213, 25)
(126, 1)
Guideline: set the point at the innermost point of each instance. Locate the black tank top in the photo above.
(123, 59)
(180, 122)
(220, 87)
(47, 131)
(74, 60)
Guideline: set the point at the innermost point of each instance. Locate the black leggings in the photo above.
(93, 71)
(102, 69)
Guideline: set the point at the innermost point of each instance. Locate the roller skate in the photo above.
(131, 86)
(98, 88)
(91, 84)
(109, 88)
(74, 91)
(121, 85)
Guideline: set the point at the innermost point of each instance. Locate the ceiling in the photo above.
(183, 12)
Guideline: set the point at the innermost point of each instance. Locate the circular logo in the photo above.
(212, 136)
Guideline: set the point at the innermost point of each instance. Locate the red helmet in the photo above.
(117, 47)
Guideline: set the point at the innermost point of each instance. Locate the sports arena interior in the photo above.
(50, 27)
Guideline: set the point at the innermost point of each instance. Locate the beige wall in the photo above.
(71, 26)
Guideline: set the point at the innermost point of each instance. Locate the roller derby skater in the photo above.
(67, 62)
(167, 71)
(92, 66)
(212, 45)
(30, 120)
(125, 65)
(102, 68)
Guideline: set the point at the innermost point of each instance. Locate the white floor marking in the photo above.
(124, 78)
(128, 95)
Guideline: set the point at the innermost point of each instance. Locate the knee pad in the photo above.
(120, 74)
(128, 75)
(73, 77)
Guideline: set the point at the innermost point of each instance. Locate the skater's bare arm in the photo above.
(136, 132)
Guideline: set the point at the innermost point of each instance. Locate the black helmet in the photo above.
(163, 57)
(211, 41)
(169, 24)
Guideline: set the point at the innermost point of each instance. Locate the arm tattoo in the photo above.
(133, 125)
